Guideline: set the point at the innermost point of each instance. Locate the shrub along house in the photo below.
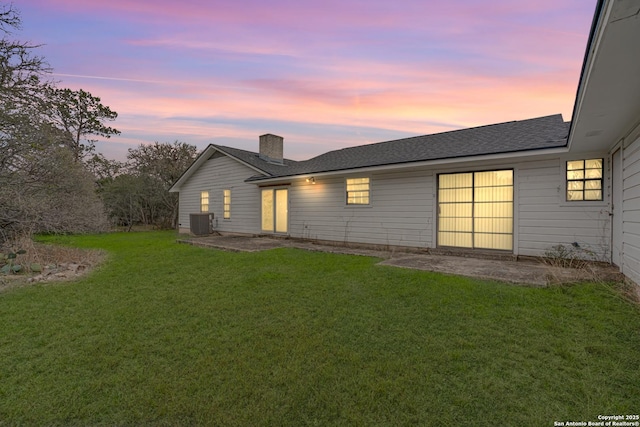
(519, 187)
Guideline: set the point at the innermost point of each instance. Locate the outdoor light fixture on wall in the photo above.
(311, 180)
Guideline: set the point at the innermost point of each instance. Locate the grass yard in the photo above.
(168, 334)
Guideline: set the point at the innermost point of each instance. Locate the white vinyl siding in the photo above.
(215, 175)
(476, 210)
(545, 219)
(399, 214)
(631, 211)
(404, 211)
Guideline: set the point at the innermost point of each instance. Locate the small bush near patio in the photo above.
(169, 334)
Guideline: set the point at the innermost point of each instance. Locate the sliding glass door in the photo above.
(475, 210)
(275, 210)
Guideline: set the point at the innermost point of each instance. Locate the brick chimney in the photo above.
(271, 148)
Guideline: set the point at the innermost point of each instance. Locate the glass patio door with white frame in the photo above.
(475, 210)
(275, 210)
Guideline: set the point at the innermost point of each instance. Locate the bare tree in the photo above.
(49, 192)
(20, 69)
(42, 186)
(21, 89)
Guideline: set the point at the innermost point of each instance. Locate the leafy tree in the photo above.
(163, 164)
(137, 192)
(81, 115)
(104, 170)
(123, 199)
(164, 161)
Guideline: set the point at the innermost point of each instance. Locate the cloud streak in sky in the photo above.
(323, 74)
(107, 78)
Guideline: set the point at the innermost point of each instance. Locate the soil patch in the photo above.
(51, 263)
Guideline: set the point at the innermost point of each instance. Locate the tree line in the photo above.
(52, 179)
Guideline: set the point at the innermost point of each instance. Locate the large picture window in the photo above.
(475, 210)
(584, 180)
(357, 191)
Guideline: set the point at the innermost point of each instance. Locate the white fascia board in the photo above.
(412, 165)
(589, 60)
(202, 157)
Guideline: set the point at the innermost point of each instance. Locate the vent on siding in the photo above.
(201, 223)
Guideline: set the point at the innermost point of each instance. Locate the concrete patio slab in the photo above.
(529, 272)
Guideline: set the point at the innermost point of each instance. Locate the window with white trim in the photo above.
(204, 201)
(358, 191)
(584, 180)
(226, 204)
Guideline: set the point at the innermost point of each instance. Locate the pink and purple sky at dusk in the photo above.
(322, 74)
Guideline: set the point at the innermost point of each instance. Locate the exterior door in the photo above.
(275, 210)
(616, 207)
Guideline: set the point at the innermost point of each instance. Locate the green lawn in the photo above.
(168, 334)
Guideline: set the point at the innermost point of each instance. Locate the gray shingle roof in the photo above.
(509, 137)
(253, 159)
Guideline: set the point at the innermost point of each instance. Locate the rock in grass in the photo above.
(36, 268)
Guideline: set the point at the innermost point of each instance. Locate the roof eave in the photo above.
(607, 107)
(594, 35)
(202, 157)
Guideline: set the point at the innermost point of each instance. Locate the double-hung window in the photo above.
(358, 191)
(226, 204)
(204, 201)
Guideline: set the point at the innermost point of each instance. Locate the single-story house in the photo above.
(519, 187)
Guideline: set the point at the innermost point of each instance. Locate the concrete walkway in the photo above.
(522, 272)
